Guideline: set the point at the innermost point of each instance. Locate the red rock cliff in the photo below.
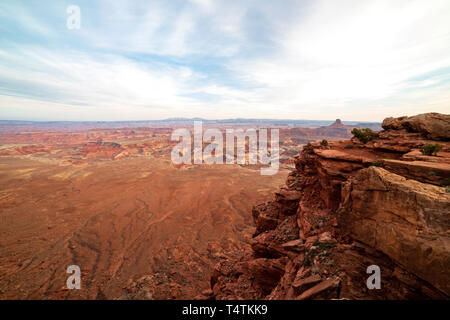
(347, 206)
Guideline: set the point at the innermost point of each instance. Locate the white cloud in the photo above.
(356, 60)
(103, 81)
(204, 28)
(353, 54)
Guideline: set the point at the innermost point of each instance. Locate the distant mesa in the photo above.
(338, 124)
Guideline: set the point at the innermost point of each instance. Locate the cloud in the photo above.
(355, 55)
(357, 60)
(100, 81)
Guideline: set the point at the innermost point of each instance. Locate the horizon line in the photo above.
(184, 119)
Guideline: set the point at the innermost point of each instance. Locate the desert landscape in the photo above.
(202, 151)
(111, 201)
(380, 199)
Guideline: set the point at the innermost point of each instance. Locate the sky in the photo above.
(358, 60)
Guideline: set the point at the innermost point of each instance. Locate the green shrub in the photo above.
(445, 182)
(320, 249)
(349, 146)
(364, 135)
(431, 149)
(377, 164)
(324, 143)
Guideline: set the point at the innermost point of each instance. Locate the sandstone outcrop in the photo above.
(434, 125)
(406, 219)
(348, 206)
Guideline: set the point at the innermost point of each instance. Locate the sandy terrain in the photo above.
(121, 221)
(111, 201)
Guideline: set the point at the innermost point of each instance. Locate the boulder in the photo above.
(433, 125)
(328, 289)
(304, 284)
(405, 219)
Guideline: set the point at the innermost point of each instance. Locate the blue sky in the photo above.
(139, 60)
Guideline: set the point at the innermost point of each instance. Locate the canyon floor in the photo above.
(112, 203)
(126, 223)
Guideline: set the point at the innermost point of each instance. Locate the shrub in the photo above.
(320, 249)
(364, 135)
(445, 182)
(349, 146)
(377, 164)
(324, 143)
(431, 149)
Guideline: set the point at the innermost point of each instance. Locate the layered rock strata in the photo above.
(348, 206)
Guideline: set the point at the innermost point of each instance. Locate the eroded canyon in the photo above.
(380, 200)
